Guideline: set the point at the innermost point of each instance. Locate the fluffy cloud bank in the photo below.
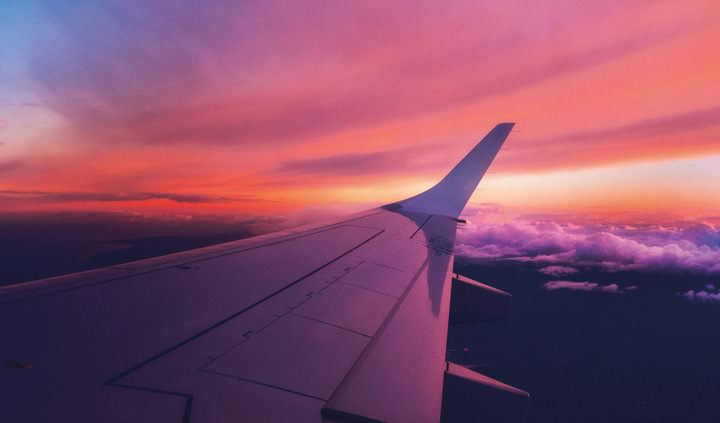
(563, 248)
(587, 286)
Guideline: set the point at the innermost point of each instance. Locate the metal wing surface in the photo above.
(345, 321)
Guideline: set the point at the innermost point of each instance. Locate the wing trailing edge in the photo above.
(452, 193)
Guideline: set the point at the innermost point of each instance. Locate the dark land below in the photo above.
(646, 356)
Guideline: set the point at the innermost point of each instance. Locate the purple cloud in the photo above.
(702, 234)
(587, 286)
(704, 296)
(10, 166)
(558, 270)
(695, 249)
(709, 295)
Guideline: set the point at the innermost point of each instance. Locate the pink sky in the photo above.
(272, 106)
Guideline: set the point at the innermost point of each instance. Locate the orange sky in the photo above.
(272, 106)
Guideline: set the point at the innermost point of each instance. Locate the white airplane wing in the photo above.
(344, 322)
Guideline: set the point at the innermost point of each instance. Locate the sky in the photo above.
(274, 106)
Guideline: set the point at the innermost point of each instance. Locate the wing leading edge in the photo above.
(339, 322)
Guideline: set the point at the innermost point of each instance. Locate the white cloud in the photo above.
(604, 247)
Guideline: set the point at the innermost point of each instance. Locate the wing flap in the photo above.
(474, 302)
(470, 396)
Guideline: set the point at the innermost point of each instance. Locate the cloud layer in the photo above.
(563, 248)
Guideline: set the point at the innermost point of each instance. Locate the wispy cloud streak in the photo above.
(580, 149)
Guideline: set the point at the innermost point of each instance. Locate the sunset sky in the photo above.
(264, 107)
(132, 129)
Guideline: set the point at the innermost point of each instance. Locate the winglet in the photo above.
(450, 195)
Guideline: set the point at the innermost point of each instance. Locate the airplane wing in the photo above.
(341, 322)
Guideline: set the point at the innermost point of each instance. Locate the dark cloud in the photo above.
(194, 198)
(111, 197)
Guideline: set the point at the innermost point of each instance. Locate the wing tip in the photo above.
(450, 195)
